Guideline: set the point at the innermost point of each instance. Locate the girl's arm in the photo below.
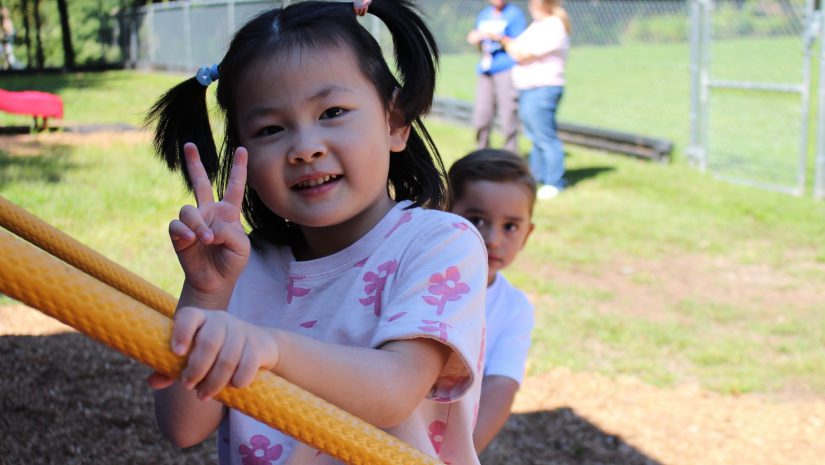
(181, 415)
(212, 248)
(381, 386)
(527, 47)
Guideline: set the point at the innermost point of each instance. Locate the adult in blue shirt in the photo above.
(494, 89)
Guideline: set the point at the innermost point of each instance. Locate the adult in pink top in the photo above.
(541, 55)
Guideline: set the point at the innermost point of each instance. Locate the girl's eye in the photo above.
(334, 112)
(268, 131)
(511, 227)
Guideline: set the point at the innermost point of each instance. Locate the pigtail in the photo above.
(178, 117)
(416, 55)
(417, 173)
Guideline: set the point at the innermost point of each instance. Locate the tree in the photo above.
(68, 50)
(38, 38)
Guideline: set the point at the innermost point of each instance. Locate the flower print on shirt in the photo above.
(294, 291)
(436, 327)
(436, 434)
(448, 286)
(259, 453)
(375, 285)
(461, 226)
(405, 218)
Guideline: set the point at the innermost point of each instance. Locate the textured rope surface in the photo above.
(63, 246)
(107, 315)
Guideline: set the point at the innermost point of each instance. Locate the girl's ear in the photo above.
(399, 129)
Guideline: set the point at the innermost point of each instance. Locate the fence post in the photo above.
(187, 33)
(819, 178)
(133, 38)
(809, 33)
(151, 33)
(695, 150)
(230, 16)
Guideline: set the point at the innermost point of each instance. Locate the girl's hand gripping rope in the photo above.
(223, 350)
(209, 239)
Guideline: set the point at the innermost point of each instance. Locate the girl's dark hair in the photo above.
(490, 165)
(417, 173)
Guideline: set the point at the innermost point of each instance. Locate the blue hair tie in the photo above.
(207, 75)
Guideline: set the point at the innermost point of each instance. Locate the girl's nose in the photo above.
(306, 147)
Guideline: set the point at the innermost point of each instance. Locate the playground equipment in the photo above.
(111, 305)
(34, 103)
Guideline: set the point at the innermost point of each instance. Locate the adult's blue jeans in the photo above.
(537, 110)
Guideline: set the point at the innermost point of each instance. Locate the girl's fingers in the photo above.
(225, 364)
(237, 179)
(247, 368)
(182, 237)
(232, 237)
(159, 381)
(187, 322)
(197, 175)
(210, 337)
(191, 217)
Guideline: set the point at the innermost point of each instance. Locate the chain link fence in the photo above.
(755, 64)
(628, 68)
(633, 67)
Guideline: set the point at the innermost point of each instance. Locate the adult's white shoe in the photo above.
(547, 192)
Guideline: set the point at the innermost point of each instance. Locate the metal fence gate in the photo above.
(751, 81)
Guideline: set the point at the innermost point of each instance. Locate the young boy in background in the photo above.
(495, 191)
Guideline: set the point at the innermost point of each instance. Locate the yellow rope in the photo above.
(125, 324)
(68, 249)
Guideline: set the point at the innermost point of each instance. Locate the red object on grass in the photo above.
(31, 102)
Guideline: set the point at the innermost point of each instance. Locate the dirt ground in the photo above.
(68, 400)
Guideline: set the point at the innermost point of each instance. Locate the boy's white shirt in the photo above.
(510, 320)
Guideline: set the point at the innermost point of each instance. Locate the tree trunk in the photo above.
(24, 6)
(40, 57)
(68, 50)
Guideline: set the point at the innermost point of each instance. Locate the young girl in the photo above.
(346, 285)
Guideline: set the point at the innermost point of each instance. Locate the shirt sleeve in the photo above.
(516, 25)
(438, 293)
(508, 354)
(542, 38)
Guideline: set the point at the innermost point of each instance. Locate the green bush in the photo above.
(663, 28)
(728, 21)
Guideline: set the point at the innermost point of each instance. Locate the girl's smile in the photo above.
(317, 183)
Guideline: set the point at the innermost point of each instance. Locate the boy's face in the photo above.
(501, 213)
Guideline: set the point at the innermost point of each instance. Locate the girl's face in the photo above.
(319, 142)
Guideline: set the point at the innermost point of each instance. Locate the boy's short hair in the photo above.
(490, 165)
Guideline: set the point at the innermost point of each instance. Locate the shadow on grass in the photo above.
(577, 175)
(559, 437)
(55, 82)
(48, 165)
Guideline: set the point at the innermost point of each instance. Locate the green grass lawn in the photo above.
(660, 272)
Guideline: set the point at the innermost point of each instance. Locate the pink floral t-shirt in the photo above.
(417, 274)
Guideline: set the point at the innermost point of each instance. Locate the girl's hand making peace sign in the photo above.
(209, 239)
